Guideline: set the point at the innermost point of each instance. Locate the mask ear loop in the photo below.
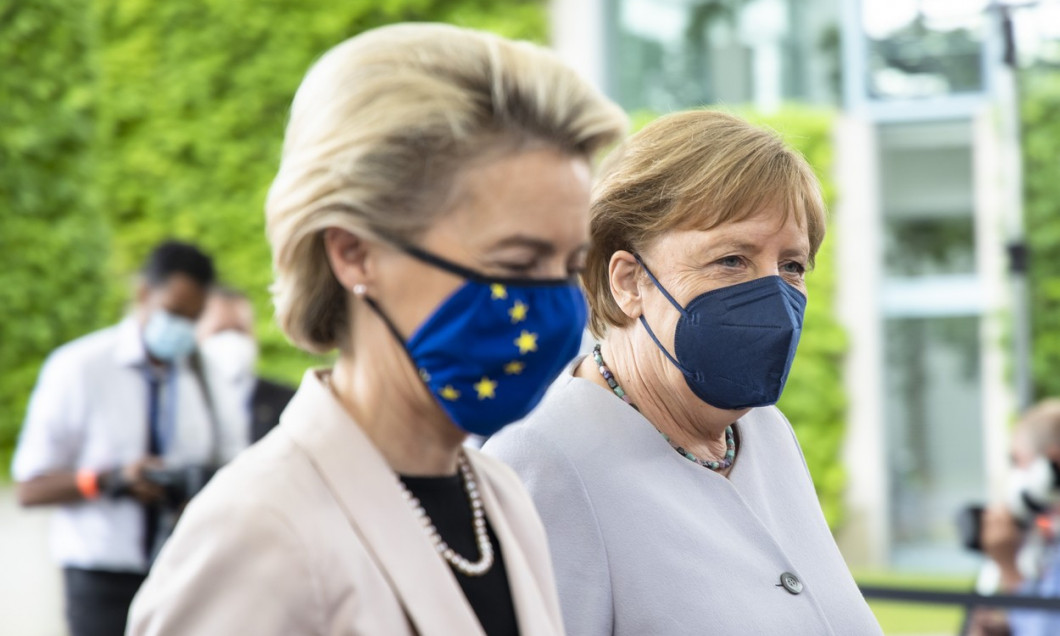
(651, 333)
(471, 275)
(360, 292)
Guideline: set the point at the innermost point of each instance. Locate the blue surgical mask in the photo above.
(489, 351)
(735, 345)
(169, 337)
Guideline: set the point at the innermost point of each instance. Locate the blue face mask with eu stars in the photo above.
(491, 349)
(735, 345)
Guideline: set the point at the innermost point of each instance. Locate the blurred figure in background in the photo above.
(1022, 536)
(113, 413)
(248, 404)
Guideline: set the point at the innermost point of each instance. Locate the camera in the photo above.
(1035, 490)
(180, 484)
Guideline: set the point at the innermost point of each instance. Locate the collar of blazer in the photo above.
(367, 490)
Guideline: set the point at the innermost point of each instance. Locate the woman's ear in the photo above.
(348, 257)
(622, 273)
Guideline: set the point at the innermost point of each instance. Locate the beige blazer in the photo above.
(307, 532)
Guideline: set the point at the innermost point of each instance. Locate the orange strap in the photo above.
(88, 483)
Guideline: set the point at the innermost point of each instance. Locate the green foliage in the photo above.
(124, 122)
(53, 241)
(814, 400)
(194, 101)
(1041, 157)
(898, 619)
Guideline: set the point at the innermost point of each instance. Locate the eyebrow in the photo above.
(796, 253)
(540, 245)
(754, 249)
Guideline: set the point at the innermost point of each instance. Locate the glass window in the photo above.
(934, 435)
(671, 54)
(924, 48)
(927, 194)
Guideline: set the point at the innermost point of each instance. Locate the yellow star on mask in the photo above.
(486, 388)
(498, 291)
(514, 367)
(518, 312)
(526, 342)
(449, 393)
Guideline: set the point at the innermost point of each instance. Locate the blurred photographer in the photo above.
(119, 433)
(1021, 536)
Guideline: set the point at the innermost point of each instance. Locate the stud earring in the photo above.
(359, 289)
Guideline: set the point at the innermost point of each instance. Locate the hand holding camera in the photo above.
(1002, 537)
(131, 481)
(180, 484)
(149, 481)
(1035, 490)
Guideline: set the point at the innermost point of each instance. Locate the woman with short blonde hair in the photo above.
(428, 219)
(675, 494)
(379, 130)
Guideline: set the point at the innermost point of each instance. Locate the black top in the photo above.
(446, 503)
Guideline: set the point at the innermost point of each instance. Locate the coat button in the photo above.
(791, 583)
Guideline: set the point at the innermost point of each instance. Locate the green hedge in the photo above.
(168, 118)
(194, 99)
(53, 242)
(1041, 157)
(123, 122)
(814, 400)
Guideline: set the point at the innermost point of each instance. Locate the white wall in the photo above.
(997, 197)
(31, 601)
(856, 231)
(579, 36)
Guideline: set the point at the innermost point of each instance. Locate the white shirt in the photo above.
(89, 410)
(231, 397)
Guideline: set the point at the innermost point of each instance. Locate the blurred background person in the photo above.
(111, 412)
(249, 405)
(1022, 536)
(427, 221)
(675, 495)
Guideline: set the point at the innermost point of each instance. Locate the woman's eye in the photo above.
(518, 268)
(730, 261)
(794, 268)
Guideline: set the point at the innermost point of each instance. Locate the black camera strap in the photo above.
(195, 362)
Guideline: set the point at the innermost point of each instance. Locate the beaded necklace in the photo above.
(730, 437)
(478, 516)
(482, 538)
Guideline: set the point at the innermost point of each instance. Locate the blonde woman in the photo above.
(674, 493)
(428, 219)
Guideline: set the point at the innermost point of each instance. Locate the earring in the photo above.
(359, 289)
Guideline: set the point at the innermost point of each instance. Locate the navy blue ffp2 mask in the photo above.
(735, 345)
(490, 350)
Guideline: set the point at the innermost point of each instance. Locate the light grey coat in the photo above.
(645, 541)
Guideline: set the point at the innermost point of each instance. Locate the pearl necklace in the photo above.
(730, 436)
(482, 538)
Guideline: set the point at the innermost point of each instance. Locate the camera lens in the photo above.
(970, 527)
